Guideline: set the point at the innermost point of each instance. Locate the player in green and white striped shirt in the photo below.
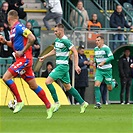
(103, 58)
(62, 46)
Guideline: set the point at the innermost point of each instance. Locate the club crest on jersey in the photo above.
(58, 44)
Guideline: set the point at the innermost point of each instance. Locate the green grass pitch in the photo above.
(114, 118)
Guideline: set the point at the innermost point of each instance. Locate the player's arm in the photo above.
(110, 56)
(4, 41)
(31, 38)
(47, 55)
(77, 68)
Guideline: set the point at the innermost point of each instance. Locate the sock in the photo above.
(10, 83)
(76, 95)
(97, 94)
(113, 84)
(41, 94)
(53, 92)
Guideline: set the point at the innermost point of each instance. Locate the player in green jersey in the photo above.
(62, 46)
(103, 57)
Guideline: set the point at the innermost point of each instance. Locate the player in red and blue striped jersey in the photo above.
(21, 41)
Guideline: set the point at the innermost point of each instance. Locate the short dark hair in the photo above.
(49, 63)
(101, 37)
(81, 47)
(60, 25)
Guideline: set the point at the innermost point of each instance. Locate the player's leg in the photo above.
(7, 78)
(51, 88)
(111, 83)
(28, 76)
(76, 95)
(98, 80)
(39, 91)
(73, 92)
(42, 95)
(57, 73)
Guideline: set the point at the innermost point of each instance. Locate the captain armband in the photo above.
(26, 32)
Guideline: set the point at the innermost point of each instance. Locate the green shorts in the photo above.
(105, 75)
(61, 72)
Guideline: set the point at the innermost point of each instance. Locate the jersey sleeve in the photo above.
(109, 53)
(68, 44)
(21, 29)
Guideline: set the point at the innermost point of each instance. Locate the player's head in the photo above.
(81, 50)
(99, 41)
(12, 17)
(59, 30)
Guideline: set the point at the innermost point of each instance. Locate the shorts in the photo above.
(105, 75)
(23, 68)
(61, 72)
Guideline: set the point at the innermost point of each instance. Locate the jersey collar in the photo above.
(15, 24)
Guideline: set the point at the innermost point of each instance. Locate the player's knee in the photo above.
(4, 78)
(48, 82)
(33, 87)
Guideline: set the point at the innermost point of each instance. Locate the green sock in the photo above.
(113, 84)
(97, 94)
(76, 95)
(53, 92)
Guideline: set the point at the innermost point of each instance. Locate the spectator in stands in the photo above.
(117, 20)
(54, 12)
(49, 68)
(36, 45)
(16, 5)
(74, 16)
(4, 10)
(81, 80)
(93, 23)
(5, 51)
(125, 73)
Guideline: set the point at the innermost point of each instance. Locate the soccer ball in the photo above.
(12, 104)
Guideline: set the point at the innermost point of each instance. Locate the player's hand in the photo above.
(101, 64)
(78, 69)
(19, 53)
(41, 58)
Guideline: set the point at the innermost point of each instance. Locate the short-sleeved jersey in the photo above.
(101, 54)
(62, 47)
(18, 36)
